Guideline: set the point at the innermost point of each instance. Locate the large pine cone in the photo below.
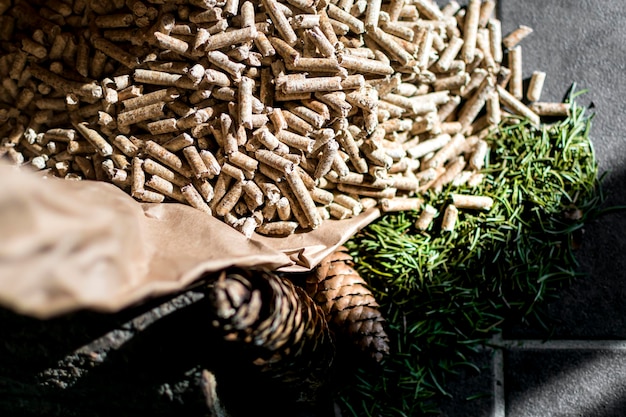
(285, 331)
(348, 303)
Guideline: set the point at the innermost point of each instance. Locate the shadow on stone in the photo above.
(565, 383)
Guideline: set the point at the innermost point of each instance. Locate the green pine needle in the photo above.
(445, 293)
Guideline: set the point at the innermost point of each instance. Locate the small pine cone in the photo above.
(286, 332)
(348, 303)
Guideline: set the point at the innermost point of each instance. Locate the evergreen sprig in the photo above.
(445, 293)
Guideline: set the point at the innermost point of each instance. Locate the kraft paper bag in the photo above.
(70, 245)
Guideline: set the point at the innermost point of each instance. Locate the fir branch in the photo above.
(444, 293)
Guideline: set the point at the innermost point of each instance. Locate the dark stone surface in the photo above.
(578, 42)
(583, 42)
(565, 384)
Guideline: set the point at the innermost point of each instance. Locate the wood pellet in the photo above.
(270, 115)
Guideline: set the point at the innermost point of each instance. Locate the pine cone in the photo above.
(348, 303)
(285, 331)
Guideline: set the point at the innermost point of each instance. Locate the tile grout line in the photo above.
(537, 344)
(499, 345)
(499, 409)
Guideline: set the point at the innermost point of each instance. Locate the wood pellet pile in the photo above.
(270, 115)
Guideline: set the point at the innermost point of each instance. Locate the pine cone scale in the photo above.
(348, 303)
(337, 281)
(283, 331)
(358, 314)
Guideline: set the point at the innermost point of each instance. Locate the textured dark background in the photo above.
(580, 42)
(583, 42)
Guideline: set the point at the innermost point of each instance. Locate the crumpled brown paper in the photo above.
(71, 245)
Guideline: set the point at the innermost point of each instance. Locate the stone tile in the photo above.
(581, 42)
(565, 383)
(593, 306)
